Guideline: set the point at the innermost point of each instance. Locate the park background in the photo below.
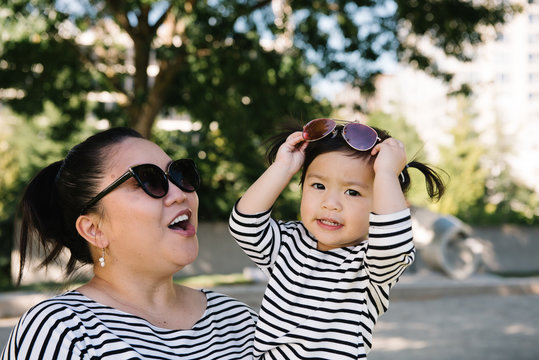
(457, 81)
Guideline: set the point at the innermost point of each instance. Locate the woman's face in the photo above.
(139, 228)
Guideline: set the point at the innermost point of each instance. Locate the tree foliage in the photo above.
(482, 190)
(462, 160)
(247, 66)
(189, 55)
(25, 147)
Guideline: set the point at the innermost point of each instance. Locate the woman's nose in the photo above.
(175, 194)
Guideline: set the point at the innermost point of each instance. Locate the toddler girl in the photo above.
(330, 273)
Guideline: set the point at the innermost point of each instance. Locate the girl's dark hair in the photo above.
(434, 182)
(52, 201)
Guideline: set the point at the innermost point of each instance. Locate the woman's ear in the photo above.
(88, 227)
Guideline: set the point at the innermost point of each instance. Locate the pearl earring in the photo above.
(102, 259)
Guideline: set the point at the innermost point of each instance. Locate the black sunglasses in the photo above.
(154, 181)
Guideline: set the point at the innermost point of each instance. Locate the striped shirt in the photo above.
(322, 304)
(72, 326)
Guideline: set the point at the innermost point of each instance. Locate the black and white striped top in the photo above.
(72, 326)
(322, 304)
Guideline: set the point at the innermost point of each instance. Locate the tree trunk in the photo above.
(143, 116)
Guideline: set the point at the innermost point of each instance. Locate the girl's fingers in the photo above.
(387, 142)
(295, 138)
(391, 154)
(293, 147)
(295, 142)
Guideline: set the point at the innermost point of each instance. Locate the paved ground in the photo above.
(433, 317)
(5, 329)
(493, 327)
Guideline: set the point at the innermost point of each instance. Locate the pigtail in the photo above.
(434, 181)
(41, 216)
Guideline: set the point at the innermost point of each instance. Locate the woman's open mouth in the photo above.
(182, 224)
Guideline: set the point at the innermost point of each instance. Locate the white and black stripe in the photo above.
(322, 304)
(72, 326)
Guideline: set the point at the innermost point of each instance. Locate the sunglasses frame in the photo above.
(132, 172)
(334, 123)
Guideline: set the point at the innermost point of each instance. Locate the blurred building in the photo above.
(504, 78)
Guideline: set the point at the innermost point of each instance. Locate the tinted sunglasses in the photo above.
(358, 136)
(154, 181)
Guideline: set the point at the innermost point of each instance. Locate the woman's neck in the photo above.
(162, 303)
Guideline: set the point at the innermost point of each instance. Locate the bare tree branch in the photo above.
(161, 19)
(121, 16)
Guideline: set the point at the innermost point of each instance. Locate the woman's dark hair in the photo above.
(52, 201)
(434, 183)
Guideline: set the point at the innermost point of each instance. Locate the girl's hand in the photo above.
(291, 153)
(263, 193)
(391, 157)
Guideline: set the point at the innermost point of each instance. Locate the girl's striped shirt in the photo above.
(322, 304)
(72, 326)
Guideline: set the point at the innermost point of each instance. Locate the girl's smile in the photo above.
(329, 224)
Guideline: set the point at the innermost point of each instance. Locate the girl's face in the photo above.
(337, 199)
(137, 226)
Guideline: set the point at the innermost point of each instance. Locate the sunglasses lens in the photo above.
(360, 137)
(183, 173)
(152, 179)
(317, 129)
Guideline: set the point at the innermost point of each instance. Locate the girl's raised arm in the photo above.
(388, 196)
(263, 193)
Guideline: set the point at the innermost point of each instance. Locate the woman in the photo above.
(118, 201)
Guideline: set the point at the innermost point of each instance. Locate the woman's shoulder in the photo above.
(54, 314)
(64, 300)
(71, 301)
(224, 306)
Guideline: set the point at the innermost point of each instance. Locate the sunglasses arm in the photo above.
(108, 189)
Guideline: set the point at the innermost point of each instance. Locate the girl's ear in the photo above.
(88, 227)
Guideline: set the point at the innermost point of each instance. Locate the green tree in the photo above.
(482, 189)
(246, 66)
(25, 146)
(152, 55)
(8, 180)
(462, 161)
(507, 199)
